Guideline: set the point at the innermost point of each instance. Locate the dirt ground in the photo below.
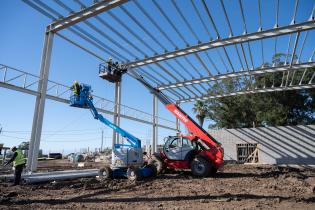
(234, 187)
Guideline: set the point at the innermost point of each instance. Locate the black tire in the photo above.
(153, 168)
(105, 173)
(157, 162)
(190, 155)
(200, 167)
(134, 174)
(213, 171)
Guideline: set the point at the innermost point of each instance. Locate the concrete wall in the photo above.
(277, 145)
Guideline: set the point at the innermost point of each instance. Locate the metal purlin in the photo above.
(86, 36)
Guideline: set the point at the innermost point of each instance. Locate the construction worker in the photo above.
(109, 65)
(76, 88)
(18, 164)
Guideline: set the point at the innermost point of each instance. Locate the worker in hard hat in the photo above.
(18, 164)
(109, 64)
(76, 88)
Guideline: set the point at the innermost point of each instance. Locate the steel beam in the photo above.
(40, 103)
(84, 14)
(155, 122)
(64, 97)
(262, 90)
(62, 100)
(238, 74)
(117, 112)
(308, 25)
(177, 122)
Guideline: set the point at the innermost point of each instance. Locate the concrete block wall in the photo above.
(277, 145)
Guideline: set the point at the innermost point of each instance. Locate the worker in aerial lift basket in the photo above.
(76, 88)
(18, 164)
(109, 65)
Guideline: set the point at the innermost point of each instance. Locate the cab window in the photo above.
(187, 143)
(174, 143)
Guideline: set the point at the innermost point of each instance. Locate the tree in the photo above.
(24, 145)
(200, 109)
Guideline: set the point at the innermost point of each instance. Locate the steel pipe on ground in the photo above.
(52, 176)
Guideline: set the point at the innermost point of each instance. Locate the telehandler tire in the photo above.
(157, 162)
(200, 166)
(153, 169)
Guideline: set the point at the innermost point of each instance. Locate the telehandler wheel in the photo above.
(157, 162)
(105, 173)
(213, 171)
(153, 168)
(134, 174)
(200, 167)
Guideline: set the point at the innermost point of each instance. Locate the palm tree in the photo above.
(200, 108)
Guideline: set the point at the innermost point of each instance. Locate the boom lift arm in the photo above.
(127, 159)
(85, 100)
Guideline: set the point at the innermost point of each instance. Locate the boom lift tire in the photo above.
(157, 162)
(134, 174)
(200, 167)
(105, 173)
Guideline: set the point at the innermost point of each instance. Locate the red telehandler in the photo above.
(198, 151)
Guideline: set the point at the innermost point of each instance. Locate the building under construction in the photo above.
(178, 52)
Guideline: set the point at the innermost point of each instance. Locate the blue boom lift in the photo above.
(127, 159)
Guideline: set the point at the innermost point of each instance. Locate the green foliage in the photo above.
(24, 145)
(200, 109)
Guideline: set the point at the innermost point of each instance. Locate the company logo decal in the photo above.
(180, 116)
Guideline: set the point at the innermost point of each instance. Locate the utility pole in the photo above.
(1, 145)
(102, 140)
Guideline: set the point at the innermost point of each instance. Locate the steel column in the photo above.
(40, 103)
(117, 111)
(177, 121)
(155, 121)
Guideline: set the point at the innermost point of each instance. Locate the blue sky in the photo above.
(69, 129)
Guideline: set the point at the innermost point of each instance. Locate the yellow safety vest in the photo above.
(19, 160)
(76, 88)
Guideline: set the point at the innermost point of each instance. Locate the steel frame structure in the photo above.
(18, 80)
(256, 90)
(176, 67)
(240, 73)
(308, 25)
